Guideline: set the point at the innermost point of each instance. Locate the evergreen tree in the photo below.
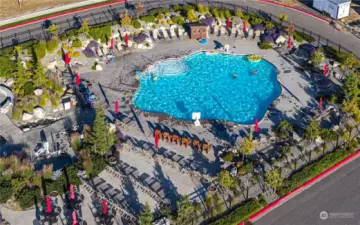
(224, 179)
(146, 217)
(350, 88)
(101, 138)
(186, 211)
(273, 179)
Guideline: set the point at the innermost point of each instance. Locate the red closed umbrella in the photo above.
(75, 222)
(112, 43)
(67, 59)
(156, 140)
(116, 107)
(244, 26)
(325, 70)
(104, 206)
(126, 39)
(48, 204)
(289, 42)
(256, 125)
(72, 192)
(77, 81)
(228, 23)
(320, 104)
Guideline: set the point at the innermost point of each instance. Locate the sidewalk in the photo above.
(48, 11)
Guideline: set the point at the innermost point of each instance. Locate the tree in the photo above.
(125, 19)
(318, 57)
(282, 17)
(186, 211)
(53, 29)
(350, 88)
(328, 135)
(101, 139)
(247, 145)
(312, 130)
(283, 128)
(224, 179)
(146, 217)
(85, 27)
(27, 197)
(350, 61)
(200, 8)
(273, 179)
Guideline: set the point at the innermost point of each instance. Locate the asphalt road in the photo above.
(337, 194)
(108, 13)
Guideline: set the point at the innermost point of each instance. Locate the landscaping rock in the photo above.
(9, 82)
(39, 112)
(27, 116)
(38, 91)
(98, 67)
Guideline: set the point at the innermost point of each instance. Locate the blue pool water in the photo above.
(204, 83)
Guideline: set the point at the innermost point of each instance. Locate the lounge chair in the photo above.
(223, 31)
(251, 33)
(165, 34)
(172, 32)
(216, 30)
(155, 34)
(233, 31)
(99, 52)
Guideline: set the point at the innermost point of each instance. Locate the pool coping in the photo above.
(205, 120)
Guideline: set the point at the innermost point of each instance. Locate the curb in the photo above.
(295, 9)
(62, 14)
(256, 216)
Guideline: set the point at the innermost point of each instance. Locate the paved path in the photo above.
(338, 193)
(107, 13)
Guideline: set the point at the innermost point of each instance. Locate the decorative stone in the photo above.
(98, 67)
(39, 112)
(38, 91)
(27, 116)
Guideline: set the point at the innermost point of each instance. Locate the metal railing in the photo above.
(111, 14)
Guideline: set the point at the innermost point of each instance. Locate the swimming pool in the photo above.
(205, 83)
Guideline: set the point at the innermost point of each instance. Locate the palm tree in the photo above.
(273, 179)
(283, 128)
(247, 145)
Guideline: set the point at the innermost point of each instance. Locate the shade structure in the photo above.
(77, 79)
(116, 107)
(111, 43)
(228, 23)
(244, 26)
(156, 140)
(104, 206)
(325, 70)
(289, 42)
(67, 58)
(126, 39)
(48, 205)
(72, 192)
(74, 222)
(320, 104)
(256, 125)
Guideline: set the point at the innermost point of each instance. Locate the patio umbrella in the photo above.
(156, 140)
(244, 26)
(75, 222)
(112, 43)
(289, 42)
(104, 206)
(256, 125)
(325, 70)
(116, 107)
(228, 23)
(77, 79)
(320, 104)
(48, 205)
(72, 193)
(126, 39)
(67, 59)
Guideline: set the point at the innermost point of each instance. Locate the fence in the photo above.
(112, 14)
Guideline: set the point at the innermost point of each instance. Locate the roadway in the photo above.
(337, 194)
(109, 13)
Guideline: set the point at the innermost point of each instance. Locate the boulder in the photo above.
(27, 116)
(38, 91)
(39, 112)
(98, 67)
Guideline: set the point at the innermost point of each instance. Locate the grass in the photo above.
(51, 14)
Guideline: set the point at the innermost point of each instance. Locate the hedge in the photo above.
(148, 19)
(136, 24)
(304, 36)
(178, 20)
(77, 43)
(102, 33)
(6, 190)
(154, 12)
(265, 45)
(334, 53)
(312, 170)
(27, 196)
(240, 214)
(52, 45)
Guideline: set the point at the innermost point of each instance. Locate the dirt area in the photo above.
(11, 8)
(354, 14)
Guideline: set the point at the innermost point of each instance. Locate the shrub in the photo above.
(247, 168)
(178, 20)
(262, 200)
(29, 108)
(239, 214)
(64, 46)
(170, 22)
(239, 13)
(17, 113)
(154, 12)
(102, 33)
(200, 8)
(77, 43)
(176, 8)
(136, 24)
(215, 12)
(60, 182)
(265, 45)
(317, 57)
(43, 99)
(269, 25)
(27, 196)
(148, 19)
(6, 190)
(6, 67)
(163, 22)
(76, 54)
(222, 14)
(52, 45)
(208, 15)
(40, 49)
(59, 53)
(187, 7)
(227, 13)
(228, 157)
(28, 88)
(298, 38)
